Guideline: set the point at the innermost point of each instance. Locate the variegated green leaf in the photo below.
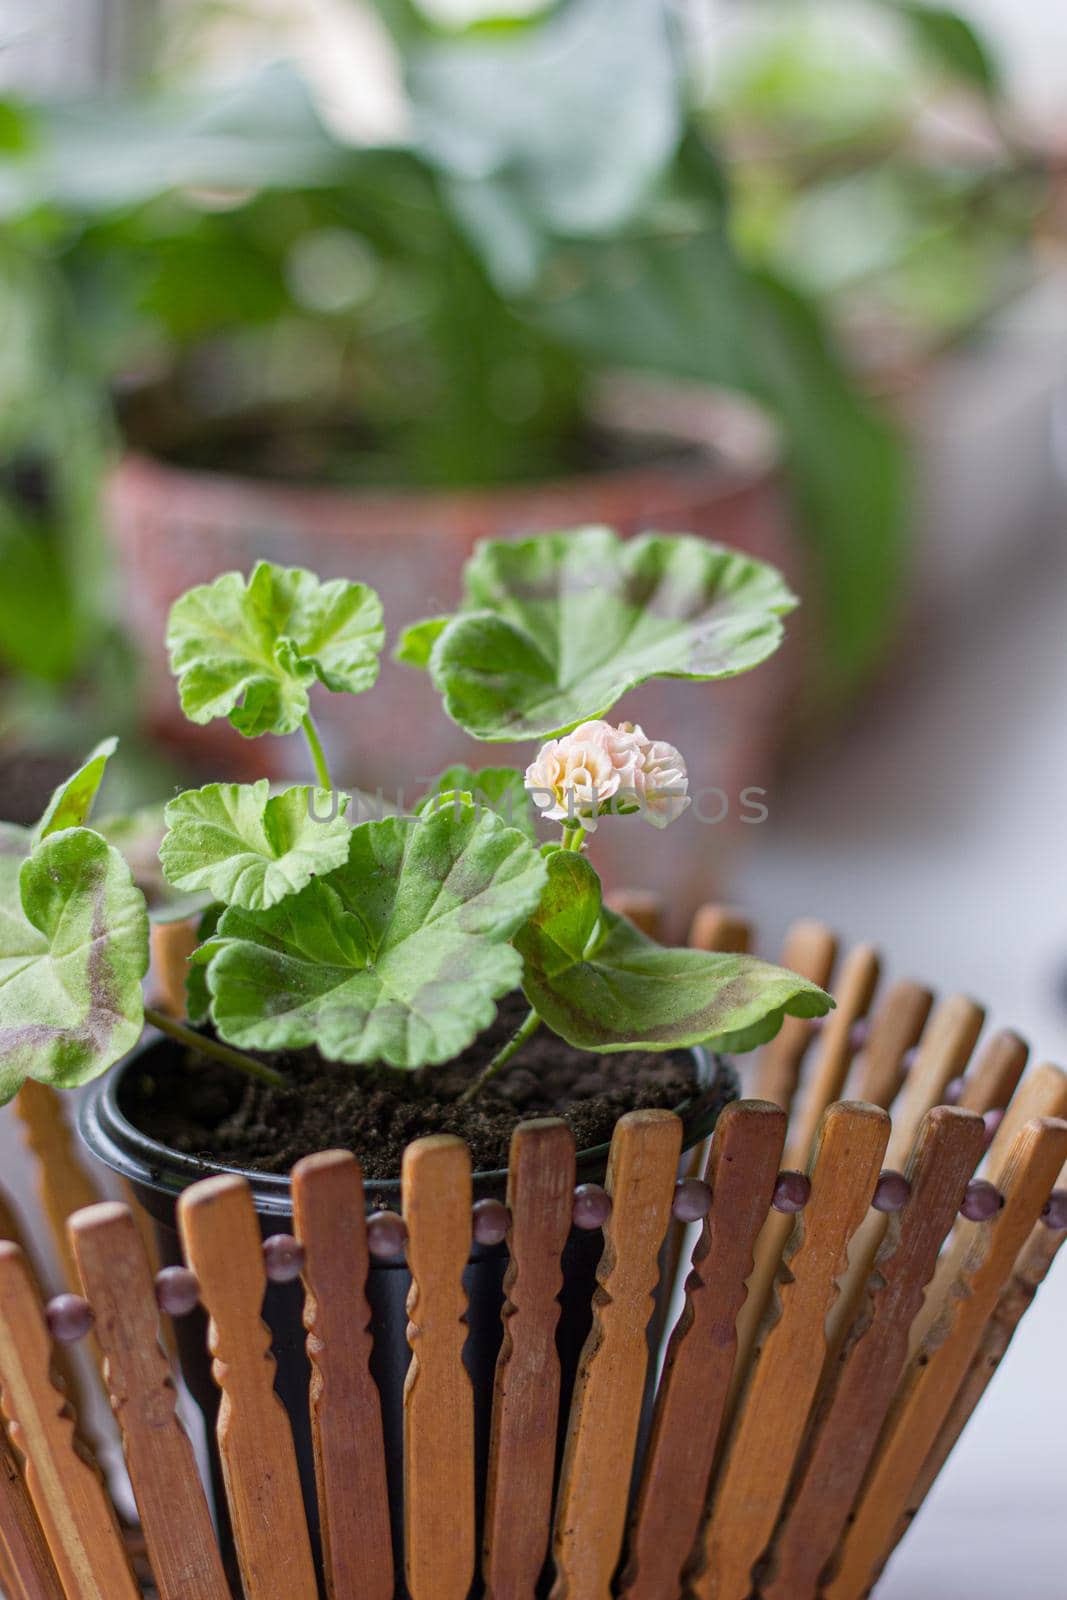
(246, 847)
(554, 630)
(602, 985)
(398, 956)
(73, 952)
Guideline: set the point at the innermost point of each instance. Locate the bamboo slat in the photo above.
(1042, 1093)
(996, 1074)
(742, 1168)
(811, 950)
(720, 928)
(66, 1489)
(63, 1184)
(970, 1276)
(27, 1571)
(346, 1413)
(605, 1411)
(946, 1046)
(117, 1281)
(172, 943)
(439, 1530)
(221, 1239)
(859, 977)
(853, 1404)
(758, 1459)
(1030, 1270)
(522, 1451)
(896, 1026)
(641, 906)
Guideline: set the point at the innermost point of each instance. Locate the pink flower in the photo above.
(600, 768)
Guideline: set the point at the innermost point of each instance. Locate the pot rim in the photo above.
(143, 1161)
(736, 435)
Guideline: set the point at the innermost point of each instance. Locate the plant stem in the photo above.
(322, 771)
(573, 836)
(213, 1048)
(526, 1031)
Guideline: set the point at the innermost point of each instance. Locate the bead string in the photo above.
(70, 1317)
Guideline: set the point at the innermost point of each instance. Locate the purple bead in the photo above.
(908, 1059)
(858, 1035)
(592, 1206)
(692, 1200)
(992, 1120)
(387, 1235)
(1055, 1213)
(177, 1291)
(491, 1221)
(69, 1318)
(981, 1201)
(792, 1191)
(892, 1192)
(953, 1092)
(283, 1257)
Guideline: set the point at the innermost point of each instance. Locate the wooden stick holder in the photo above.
(831, 1336)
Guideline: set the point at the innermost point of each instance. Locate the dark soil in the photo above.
(212, 1112)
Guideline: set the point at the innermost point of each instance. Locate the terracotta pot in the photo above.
(718, 477)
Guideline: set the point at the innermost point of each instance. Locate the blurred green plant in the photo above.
(262, 296)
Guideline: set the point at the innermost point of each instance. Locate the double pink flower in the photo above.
(600, 768)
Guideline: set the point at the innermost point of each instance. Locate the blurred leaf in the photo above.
(108, 155)
(555, 629)
(251, 651)
(685, 306)
(561, 128)
(603, 985)
(953, 42)
(72, 802)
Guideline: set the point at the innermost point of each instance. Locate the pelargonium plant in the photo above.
(386, 943)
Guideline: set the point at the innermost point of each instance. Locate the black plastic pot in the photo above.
(158, 1175)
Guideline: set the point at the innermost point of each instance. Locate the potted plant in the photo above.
(363, 980)
(521, 312)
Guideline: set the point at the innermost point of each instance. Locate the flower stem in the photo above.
(311, 733)
(526, 1031)
(213, 1048)
(573, 836)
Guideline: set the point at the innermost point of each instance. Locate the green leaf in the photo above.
(602, 985)
(952, 42)
(73, 952)
(245, 847)
(398, 956)
(197, 998)
(416, 643)
(501, 789)
(72, 802)
(555, 629)
(251, 653)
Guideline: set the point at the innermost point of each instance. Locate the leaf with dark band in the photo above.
(602, 985)
(73, 952)
(555, 629)
(398, 956)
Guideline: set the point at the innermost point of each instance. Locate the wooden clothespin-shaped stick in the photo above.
(439, 1529)
(606, 1406)
(222, 1243)
(785, 1372)
(67, 1490)
(346, 1412)
(118, 1282)
(742, 1168)
(522, 1451)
